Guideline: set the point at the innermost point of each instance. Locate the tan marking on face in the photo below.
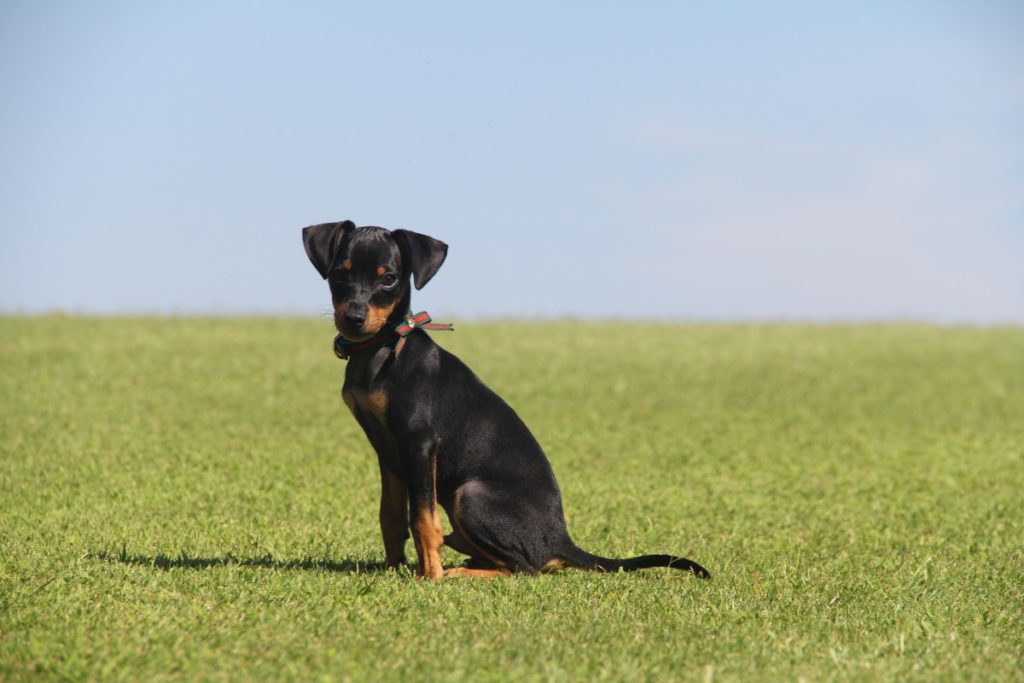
(346, 264)
(394, 517)
(376, 316)
(381, 270)
(467, 573)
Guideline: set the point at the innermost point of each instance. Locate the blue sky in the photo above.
(635, 160)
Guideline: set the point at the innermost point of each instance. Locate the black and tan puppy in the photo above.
(442, 437)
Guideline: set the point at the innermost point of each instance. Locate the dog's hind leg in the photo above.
(497, 528)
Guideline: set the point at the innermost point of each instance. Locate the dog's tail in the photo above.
(574, 556)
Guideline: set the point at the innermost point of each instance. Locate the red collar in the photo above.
(343, 348)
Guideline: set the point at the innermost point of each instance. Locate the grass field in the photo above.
(189, 499)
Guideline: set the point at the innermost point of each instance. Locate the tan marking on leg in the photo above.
(394, 517)
(553, 565)
(426, 532)
(467, 573)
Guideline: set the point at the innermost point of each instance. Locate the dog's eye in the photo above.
(389, 280)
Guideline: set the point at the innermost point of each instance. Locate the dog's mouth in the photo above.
(359, 328)
(351, 334)
(357, 333)
(350, 330)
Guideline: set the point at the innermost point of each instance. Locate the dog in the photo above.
(442, 437)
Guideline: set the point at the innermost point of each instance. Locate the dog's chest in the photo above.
(363, 391)
(371, 402)
(370, 408)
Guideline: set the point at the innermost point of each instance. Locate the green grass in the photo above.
(189, 499)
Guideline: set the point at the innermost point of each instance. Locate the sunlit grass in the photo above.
(189, 498)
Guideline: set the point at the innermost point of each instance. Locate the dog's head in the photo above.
(368, 270)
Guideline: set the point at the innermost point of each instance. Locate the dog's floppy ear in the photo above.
(424, 254)
(321, 242)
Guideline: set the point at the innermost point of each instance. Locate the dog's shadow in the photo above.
(348, 565)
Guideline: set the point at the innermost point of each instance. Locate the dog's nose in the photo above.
(355, 317)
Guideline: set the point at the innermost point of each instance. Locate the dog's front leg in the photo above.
(421, 469)
(394, 517)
